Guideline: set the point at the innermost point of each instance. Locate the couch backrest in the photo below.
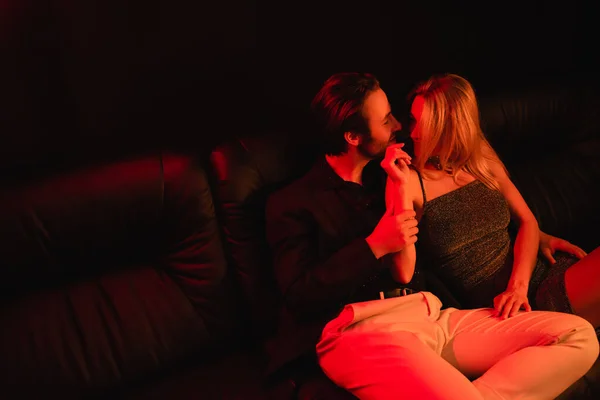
(110, 273)
(541, 119)
(548, 135)
(246, 171)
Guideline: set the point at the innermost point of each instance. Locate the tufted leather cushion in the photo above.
(246, 171)
(549, 138)
(109, 273)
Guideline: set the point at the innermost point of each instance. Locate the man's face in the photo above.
(382, 125)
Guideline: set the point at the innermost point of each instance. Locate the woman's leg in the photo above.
(582, 283)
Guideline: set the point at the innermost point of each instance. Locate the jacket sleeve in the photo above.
(309, 284)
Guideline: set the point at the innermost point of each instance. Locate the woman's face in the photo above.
(416, 110)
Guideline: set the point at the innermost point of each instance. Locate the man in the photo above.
(335, 243)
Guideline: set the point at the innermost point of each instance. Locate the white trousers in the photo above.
(406, 348)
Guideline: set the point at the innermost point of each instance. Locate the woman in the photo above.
(464, 201)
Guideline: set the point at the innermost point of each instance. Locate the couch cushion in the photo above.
(235, 376)
(542, 119)
(109, 273)
(549, 138)
(246, 171)
(563, 193)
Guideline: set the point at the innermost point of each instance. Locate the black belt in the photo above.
(397, 292)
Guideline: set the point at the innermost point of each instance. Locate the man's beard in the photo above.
(371, 149)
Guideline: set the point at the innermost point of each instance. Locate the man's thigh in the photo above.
(477, 339)
(393, 365)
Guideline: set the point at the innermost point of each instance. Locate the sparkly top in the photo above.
(463, 237)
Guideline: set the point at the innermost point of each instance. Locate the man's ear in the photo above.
(353, 138)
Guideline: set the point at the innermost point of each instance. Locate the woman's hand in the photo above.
(395, 164)
(511, 301)
(550, 244)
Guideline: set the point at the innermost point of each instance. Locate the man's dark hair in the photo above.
(337, 108)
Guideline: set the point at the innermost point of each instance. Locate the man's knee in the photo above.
(357, 360)
(583, 337)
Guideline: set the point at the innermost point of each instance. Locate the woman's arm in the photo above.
(550, 244)
(398, 199)
(403, 262)
(525, 248)
(527, 240)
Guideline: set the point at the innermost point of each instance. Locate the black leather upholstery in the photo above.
(548, 136)
(109, 274)
(246, 171)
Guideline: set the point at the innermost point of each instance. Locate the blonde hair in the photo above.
(451, 130)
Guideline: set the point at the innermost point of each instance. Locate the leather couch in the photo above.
(149, 276)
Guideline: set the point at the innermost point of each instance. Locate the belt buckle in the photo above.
(398, 292)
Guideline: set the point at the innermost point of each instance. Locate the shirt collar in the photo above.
(326, 178)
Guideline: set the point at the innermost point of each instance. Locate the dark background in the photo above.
(82, 80)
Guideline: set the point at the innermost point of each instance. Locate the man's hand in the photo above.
(550, 244)
(395, 164)
(393, 233)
